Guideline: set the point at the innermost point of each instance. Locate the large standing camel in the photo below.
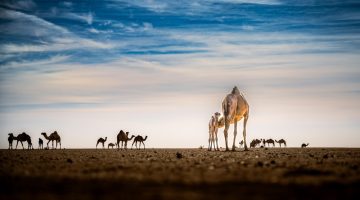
(123, 138)
(102, 141)
(52, 137)
(281, 141)
(235, 107)
(11, 138)
(213, 130)
(22, 138)
(139, 139)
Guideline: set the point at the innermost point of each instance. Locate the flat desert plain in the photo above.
(271, 173)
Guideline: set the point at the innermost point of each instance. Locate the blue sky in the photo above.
(161, 68)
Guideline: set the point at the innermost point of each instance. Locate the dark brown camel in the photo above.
(53, 137)
(111, 145)
(123, 138)
(41, 144)
(139, 139)
(270, 141)
(304, 145)
(281, 141)
(102, 141)
(11, 138)
(22, 138)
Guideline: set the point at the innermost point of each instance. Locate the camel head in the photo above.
(44, 134)
(11, 134)
(132, 136)
(127, 133)
(145, 138)
(235, 90)
(217, 116)
(105, 138)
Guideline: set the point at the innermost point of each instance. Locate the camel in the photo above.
(213, 130)
(22, 138)
(280, 142)
(11, 138)
(254, 143)
(270, 141)
(111, 145)
(139, 139)
(41, 144)
(52, 137)
(304, 145)
(235, 107)
(123, 138)
(102, 141)
(241, 143)
(263, 141)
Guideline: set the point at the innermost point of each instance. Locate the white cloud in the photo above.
(22, 5)
(87, 17)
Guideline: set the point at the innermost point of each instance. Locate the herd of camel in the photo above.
(235, 108)
(121, 137)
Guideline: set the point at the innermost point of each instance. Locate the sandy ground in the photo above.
(273, 173)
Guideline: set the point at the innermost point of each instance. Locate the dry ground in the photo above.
(291, 173)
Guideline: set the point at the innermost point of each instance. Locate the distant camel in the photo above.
(111, 145)
(270, 141)
(263, 141)
(11, 138)
(254, 143)
(139, 139)
(41, 144)
(304, 145)
(235, 107)
(241, 143)
(102, 141)
(53, 137)
(281, 141)
(213, 130)
(22, 138)
(123, 138)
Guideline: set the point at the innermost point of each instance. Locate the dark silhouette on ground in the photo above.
(102, 141)
(241, 143)
(111, 145)
(22, 138)
(270, 141)
(304, 145)
(235, 107)
(254, 143)
(53, 137)
(139, 139)
(123, 138)
(41, 144)
(281, 141)
(11, 139)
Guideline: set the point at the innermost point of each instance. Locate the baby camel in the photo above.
(111, 145)
(139, 139)
(41, 144)
(213, 130)
(11, 138)
(102, 141)
(304, 145)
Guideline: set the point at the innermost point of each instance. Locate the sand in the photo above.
(295, 173)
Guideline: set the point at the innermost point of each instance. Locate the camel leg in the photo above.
(143, 144)
(103, 144)
(22, 144)
(17, 144)
(60, 143)
(235, 133)
(227, 124)
(48, 144)
(132, 144)
(52, 144)
(210, 135)
(216, 139)
(244, 133)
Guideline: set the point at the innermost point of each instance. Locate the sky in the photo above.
(89, 69)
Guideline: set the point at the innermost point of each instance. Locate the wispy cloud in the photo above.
(21, 5)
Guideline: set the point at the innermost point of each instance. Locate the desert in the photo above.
(271, 173)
